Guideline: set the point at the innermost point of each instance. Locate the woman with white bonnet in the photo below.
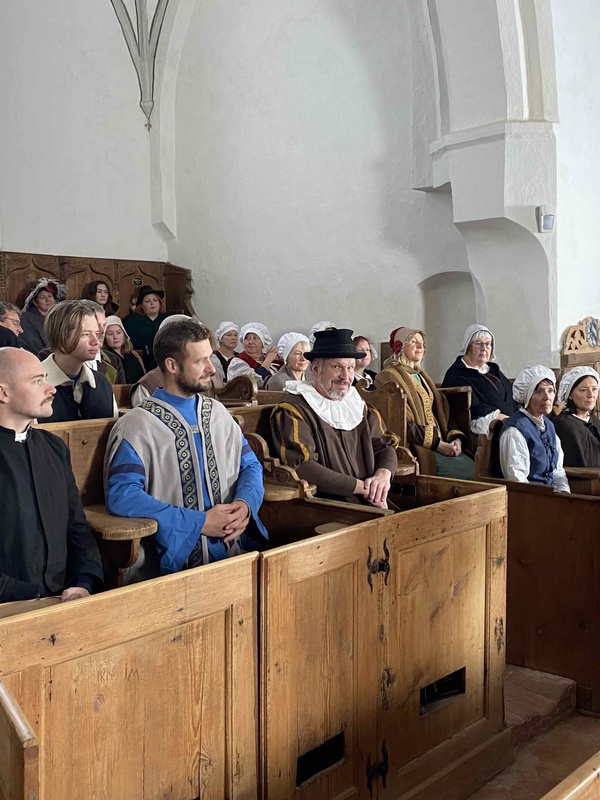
(258, 358)
(491, 395)
(530, 450)
(577, 426)
(290, 349)
(324, 325)
(227, 335)
(117, 341)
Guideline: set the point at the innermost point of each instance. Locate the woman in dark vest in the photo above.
(117, 342)
(491, 395)
(577, 425)
(530, 451)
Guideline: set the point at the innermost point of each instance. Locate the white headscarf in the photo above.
(571, 377)
(527, 380)
(114, 320)
(260, 330)
(471, 332)
(224, 328)
(319, 326)
(173, 318)
(287, 341)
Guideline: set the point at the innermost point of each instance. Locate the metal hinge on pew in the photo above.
(377, 770)
(381, 565)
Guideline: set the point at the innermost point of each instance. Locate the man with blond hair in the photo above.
(81, 393)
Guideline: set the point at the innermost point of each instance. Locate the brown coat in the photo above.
(330, 458)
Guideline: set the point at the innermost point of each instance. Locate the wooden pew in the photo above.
(147, 691)
(358, 624)
(356, 627)
(582, 784)
(553, 576)
(119, 537)
(122, 393)
(240, 391)
(459, 402)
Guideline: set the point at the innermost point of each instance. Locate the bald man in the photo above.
(46, 546)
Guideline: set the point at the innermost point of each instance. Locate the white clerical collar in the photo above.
(344, 415)
(22, 437)
(483, 370)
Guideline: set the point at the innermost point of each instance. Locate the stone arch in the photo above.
(449, 304)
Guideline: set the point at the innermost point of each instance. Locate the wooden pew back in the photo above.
(86, 439)
(580, 346)
(390, 401)
(122, 393)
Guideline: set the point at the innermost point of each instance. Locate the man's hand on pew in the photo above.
(226, 521)
(74, 593)
(375, 489)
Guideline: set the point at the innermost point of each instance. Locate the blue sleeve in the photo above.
(250, 487)
(126, 496)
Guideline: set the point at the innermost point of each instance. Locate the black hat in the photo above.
(336, 343)
(146, 290)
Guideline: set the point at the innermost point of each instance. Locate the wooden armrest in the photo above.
(583, 473)
(112, 528)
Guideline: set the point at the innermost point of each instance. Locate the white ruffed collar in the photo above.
(483, 370)
(344, 415)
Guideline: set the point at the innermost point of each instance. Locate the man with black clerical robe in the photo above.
(328, 434)
(46, 546)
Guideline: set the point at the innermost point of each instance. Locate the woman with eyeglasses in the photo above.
(432, 436)
(491, 396)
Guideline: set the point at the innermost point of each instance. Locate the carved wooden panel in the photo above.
(581, 343)
(20, 271)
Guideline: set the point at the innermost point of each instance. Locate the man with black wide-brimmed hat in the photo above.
(328, 434)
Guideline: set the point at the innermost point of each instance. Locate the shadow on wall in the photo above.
(449, 306)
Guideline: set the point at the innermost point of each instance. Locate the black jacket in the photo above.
(46, 543)
(490, 391)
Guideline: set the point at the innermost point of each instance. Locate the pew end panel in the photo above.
(19, 751)
(459, 404)
(390, 401)
(240, 391)
(409, 599)
(147, 688)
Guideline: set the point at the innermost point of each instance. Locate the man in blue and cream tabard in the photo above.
(181, 459)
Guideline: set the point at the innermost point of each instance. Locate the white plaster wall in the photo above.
(577, 34)
(74, 162)
(294, 167)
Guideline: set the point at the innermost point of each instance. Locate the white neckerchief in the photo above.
(483, 370)
(344, 415)
(541, 423)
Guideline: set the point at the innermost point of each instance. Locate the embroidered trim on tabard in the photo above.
(182, 447)
(211, 461)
